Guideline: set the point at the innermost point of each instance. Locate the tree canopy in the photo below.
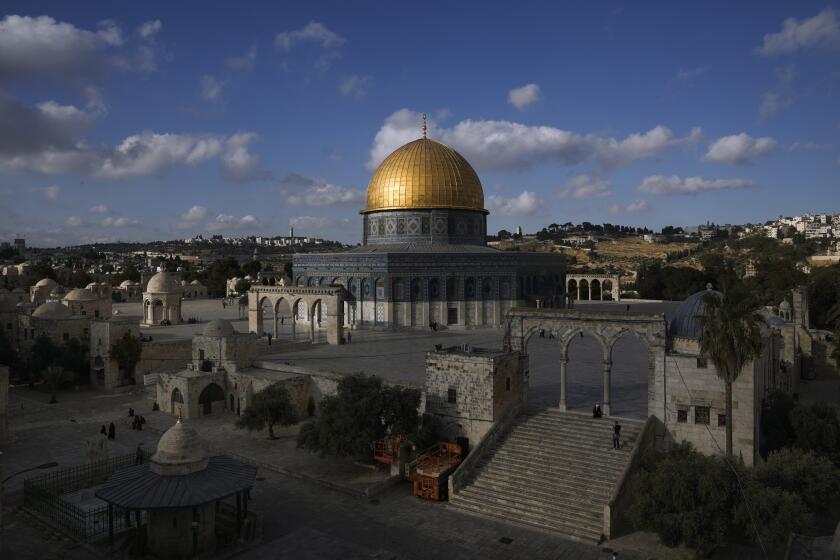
(362, 411)
(271, 406)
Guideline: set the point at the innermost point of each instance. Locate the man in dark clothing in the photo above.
(130, 411)
(269, 339)
(112, 431)
(103, 431)
(349, 337)
(617, 435)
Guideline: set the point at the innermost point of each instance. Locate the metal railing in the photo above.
(45, 496)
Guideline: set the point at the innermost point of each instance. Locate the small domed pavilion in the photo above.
(180, 490)
(162, 300)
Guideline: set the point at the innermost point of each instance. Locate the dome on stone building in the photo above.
(179, 452)
(127, 283)
(163, 283)
(685, 322)
(52, 310)
(195, 283)
(784, 306)
(219, 328)
(424, 174)
(80, 294)
(46, 283)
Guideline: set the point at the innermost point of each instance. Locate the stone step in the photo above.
(553, 470)
(521, 473)
(572, 529)
(585, 499)
(585, 460)
(552, 428)
(553, 475)
(591, 517)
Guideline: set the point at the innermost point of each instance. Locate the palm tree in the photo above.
(731, 339)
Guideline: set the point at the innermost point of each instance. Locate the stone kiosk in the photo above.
(180, 491)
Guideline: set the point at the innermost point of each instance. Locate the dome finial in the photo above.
(424, 128)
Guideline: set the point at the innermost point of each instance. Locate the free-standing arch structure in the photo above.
(596, 287)
(607, 327)
(317, 307)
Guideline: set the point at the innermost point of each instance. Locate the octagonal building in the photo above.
(423, 257)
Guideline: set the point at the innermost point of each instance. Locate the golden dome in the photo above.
(424, 174)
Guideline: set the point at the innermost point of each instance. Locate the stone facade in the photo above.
(58, 330)
(458, 286)
(194, 290)
(468, 389)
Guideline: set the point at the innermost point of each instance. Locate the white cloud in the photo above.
(73, 221)
(526, 203)
(660, 184)
(585, 186)
(119, 222)
(525, 96)
(211, 88)
(99, 209)
(238, 163)
(354, 86)
(305, 191)
(631, 208)
(110, 32)
(52, 192)
(690, 74)
(243, 62)
(739, 148)
(149, 29)
(45, 140)
(819, 31)
(194, 214)
(612, 153)
(312, 32)
(43, 47)
(772, 102)
(229, 222)
(505, 145)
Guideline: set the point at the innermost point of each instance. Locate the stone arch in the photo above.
(176, 401)
(584, 290)
(595, 289)
(209, 399)
(606, 290)
(157, 311)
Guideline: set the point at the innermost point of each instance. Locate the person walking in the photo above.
(112, 431)
(130, 411)
(617, 435)
(269, 339)
(349, 337)
(103, 431)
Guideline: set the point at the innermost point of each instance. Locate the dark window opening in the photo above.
(701, 414)
(507, 384)
(451, 396)
(721, 420)
(682, 415)
(701, 362)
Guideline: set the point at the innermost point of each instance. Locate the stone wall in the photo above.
(104, 333)
(163, 356)
(470, 389)
(691, 389)
(4, 404)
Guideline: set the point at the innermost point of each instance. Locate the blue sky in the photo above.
(161, 120)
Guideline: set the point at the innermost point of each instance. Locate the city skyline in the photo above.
(162, 122)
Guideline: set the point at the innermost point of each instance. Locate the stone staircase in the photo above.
(554, 470)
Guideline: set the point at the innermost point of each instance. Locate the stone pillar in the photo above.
(276, 326)
(605, 406)
(589, 285)
(563, 362)
(254, 313)
(578, 291)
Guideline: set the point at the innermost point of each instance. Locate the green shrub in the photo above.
(813, 478)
